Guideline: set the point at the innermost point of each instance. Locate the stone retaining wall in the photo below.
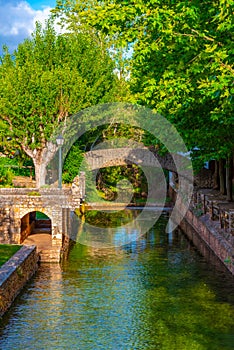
(15, 273)
(204, 228)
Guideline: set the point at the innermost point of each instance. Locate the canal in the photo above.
(154, 293)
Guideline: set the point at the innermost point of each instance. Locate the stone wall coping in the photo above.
(14, 262)
(42, 191)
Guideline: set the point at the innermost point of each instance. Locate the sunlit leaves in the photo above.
(48, 78)
(182, 61)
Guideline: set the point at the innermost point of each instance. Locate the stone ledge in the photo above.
(15, 273)
(13, 263)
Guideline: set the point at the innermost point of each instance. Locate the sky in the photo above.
(18, 17)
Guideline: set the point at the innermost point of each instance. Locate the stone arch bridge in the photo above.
(174, 163)
(100, 158)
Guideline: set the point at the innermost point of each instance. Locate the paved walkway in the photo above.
(218, 198)
(41, 239)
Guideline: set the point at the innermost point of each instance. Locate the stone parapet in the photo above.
(15, 273)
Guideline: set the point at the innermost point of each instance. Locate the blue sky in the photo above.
(39, 4)
(18, 17)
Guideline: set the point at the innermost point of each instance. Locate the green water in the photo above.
(156, 293)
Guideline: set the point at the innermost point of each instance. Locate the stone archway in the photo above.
(36, 229)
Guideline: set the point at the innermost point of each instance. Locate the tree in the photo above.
(47, 79)
(181, 62)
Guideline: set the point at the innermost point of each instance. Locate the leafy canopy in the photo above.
(181, 62)
(48, 78)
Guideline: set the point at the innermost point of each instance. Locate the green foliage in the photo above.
(72, 168)
(106, 219)
(6, 177)
(228, 260)
(47, 79)
(108, 178)
(41, 216)
(10, 167)
(72, 163)
(181, 62)
(6, 174)
(92, 194)
(197, 210)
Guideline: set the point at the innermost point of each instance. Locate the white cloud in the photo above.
(17, 21)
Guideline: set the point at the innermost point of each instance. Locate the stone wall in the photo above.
(17, 203)
(203, 248)
(5, 224)
(15, 273)
(204, 229)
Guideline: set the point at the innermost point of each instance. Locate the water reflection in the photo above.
(155, 293)
(113, 228)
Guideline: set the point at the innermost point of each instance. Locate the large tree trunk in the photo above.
(229, 174)
(216, 176)
(40, 173)
(222, 176)
(41, 158)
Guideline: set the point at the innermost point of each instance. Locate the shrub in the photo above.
(6, 174)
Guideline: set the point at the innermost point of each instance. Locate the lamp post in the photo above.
(60, 141)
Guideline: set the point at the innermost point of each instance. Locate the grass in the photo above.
(7, 251)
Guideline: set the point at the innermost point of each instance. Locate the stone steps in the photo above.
(49, 255)
(38, 230)
(23, 181)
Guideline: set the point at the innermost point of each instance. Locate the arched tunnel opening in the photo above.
(36, 229)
